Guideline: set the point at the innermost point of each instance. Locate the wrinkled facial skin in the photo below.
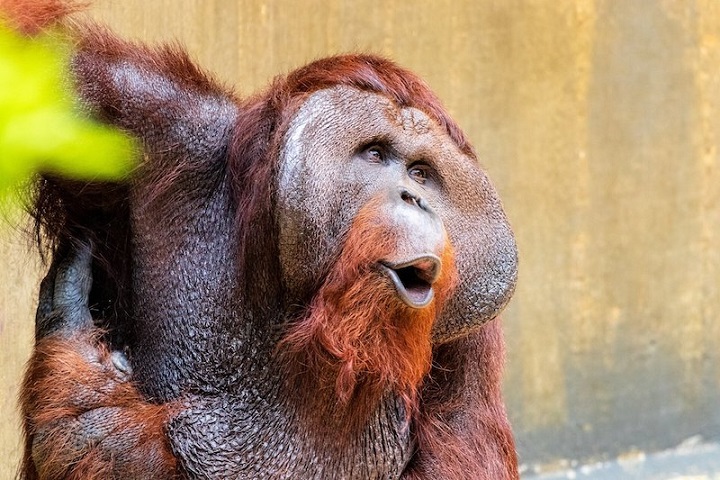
(344, 147)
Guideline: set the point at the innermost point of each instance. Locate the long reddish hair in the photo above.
(356, 336)
(67, 211)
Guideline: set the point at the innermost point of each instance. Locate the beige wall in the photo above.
(599, 122)
(18, 285)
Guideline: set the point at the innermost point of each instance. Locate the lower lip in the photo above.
(403, 293)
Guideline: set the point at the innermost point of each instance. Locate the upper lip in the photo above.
(413, 279)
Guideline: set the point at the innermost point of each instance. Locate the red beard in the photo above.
(357, 334)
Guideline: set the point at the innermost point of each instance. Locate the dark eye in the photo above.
(374, 154)
(419, 173)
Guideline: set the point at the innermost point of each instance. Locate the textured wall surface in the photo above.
(598, 120)
(19, 281)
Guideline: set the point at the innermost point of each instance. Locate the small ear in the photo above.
(159, 95)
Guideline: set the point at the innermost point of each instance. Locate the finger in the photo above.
(45, 303)
(72, 289)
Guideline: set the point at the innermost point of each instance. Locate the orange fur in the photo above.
(32, 16)
(461, 425)
(68, 382)
(356, 332)
(355, 336)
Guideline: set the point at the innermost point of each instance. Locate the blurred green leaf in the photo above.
(41, 130)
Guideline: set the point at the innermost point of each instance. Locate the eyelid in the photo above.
(376, 154)
(431, 177)
(377, 148)
(380, 147)
(422, 173)
(421, 165)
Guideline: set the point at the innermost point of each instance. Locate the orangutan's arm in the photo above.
(83, 417)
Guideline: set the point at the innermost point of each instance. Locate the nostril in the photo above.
(410, 198)
(413, 199)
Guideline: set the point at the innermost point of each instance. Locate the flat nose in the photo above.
(413, 199)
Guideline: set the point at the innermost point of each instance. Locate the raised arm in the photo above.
(157, 94)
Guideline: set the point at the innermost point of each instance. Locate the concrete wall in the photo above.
(599, 121)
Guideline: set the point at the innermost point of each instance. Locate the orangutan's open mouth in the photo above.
(413, 279)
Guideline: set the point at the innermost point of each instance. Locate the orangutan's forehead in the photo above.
(355, 107)
(342, 119)
(414, 120)
(333, 123)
